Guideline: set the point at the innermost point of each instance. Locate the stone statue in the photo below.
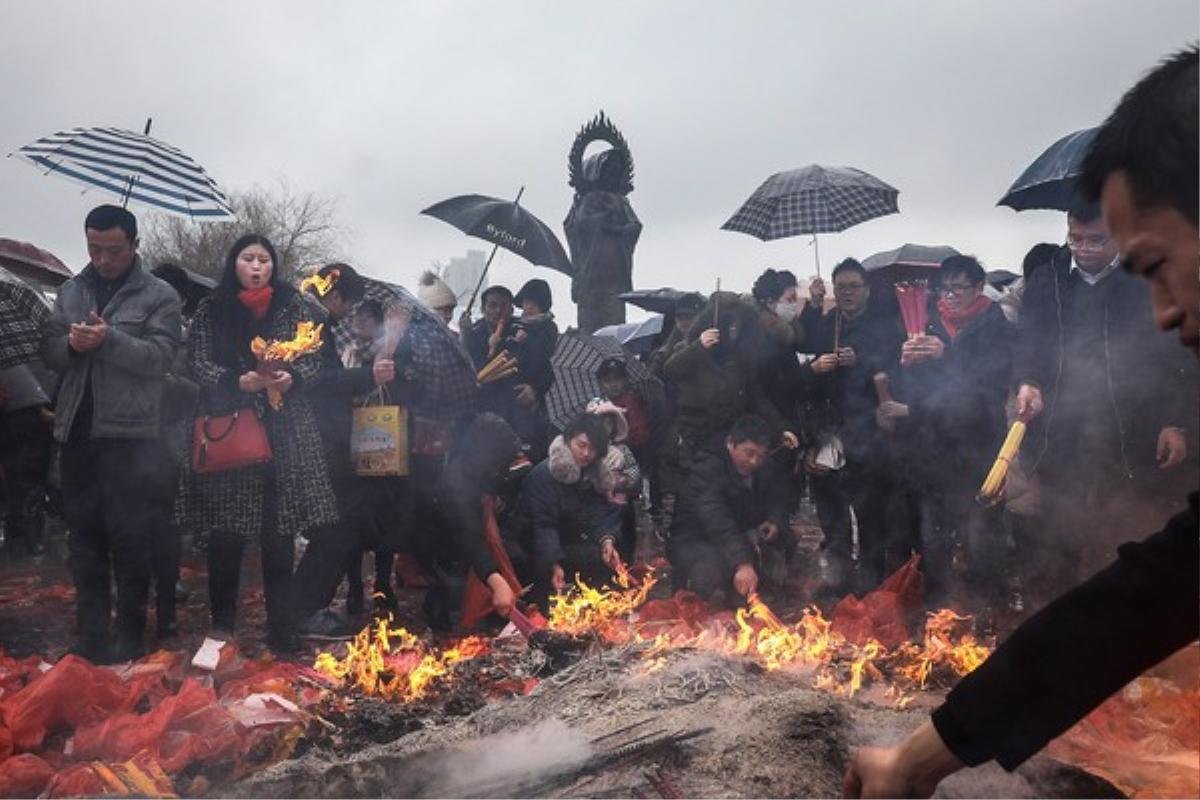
(601, 228)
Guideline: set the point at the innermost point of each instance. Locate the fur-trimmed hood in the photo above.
(613, 414)
(563, 468)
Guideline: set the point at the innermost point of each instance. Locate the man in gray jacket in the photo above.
(112, 335)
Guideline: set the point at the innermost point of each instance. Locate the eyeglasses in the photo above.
(956, 289)
(1094, 242)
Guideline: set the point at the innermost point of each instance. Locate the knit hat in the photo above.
(536, 290)
(434, 292)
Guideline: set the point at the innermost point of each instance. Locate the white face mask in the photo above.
(787, 311)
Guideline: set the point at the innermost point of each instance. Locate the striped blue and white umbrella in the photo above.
(133, 166)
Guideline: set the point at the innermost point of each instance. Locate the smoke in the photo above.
(502, 764)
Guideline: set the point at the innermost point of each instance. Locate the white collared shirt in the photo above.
(1092, 279)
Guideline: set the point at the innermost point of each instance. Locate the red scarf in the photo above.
(257, 300)
(954, 321)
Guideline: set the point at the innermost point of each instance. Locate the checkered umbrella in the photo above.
(23, 310)
(576, 358)
(812, 200)
(442, 365)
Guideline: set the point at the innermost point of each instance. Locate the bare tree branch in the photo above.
(304, 229)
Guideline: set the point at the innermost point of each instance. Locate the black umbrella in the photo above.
(23, 311)
(1001, 277)
(907, 261)
(32, 263)
(575, 360)
(191, 286)
(812, 200)
(1049, 182)
(660, 301)
(505, 224)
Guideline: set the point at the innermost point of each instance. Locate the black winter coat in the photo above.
(565, 514)
(486, 447)
(533, 360)
(1148, 383)
(957, 420)
(843, 401)
(718, 506)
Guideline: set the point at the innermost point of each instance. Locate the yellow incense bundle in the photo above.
(999, 471)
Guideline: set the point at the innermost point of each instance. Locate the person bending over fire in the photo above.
(1087, 644)
(731, 507)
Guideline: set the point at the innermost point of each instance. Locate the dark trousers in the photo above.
(25, 445)
(225, 550)
(109, 504)
(868, 490)
(964, 554)
(698, 565)
(166, 550)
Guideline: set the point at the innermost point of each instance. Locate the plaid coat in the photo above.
(235, 500)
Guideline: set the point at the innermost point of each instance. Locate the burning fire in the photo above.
(394, 664)
(323, 286)
(269, 354)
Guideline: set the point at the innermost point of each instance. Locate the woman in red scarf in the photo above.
(271, 502)
(953, 384)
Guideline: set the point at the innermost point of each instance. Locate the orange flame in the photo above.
(307, 340)
(323, 286)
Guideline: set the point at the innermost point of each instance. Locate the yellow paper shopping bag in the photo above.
(379, 440)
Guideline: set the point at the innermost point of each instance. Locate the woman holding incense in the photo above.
(269, 502)
(950, 422)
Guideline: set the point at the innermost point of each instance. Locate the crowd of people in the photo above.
(762, 400)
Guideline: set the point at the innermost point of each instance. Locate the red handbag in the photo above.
(229, 442)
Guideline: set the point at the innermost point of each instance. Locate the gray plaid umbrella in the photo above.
(23, 311)
(442, 365)
(812, 200)
(575, 360)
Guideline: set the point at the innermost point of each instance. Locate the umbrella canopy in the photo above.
(813, 199)
(132, 166)
(907, 262)
(192, 286)
(637, 337)
(506, 224)
(23, 311)
(660, 301)
(32, 263)
(442, 366)
(1001, 277)
(1049, 182)
(576, 358)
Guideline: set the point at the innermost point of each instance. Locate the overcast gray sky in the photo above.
(392, 106)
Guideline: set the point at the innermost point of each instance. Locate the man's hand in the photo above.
(745, 580)
(558, 578)
(846, 357)
(87, 336)
(921, 348)
(888, 412)
(790, 440)
(503, 597)
(914, 768)
(767, 531)
(1172, 448)
(525, 395)
(825, 363)
(464, 321)
(280, 381)
(609, 554)
(1029, 402)
(252, 382)
(383, 371)
(816, 293)
(709, 338)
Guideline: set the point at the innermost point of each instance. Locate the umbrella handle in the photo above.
(487, 266)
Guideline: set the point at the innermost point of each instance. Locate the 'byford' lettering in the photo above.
(504, 237)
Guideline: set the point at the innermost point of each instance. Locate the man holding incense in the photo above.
(1083, 647)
